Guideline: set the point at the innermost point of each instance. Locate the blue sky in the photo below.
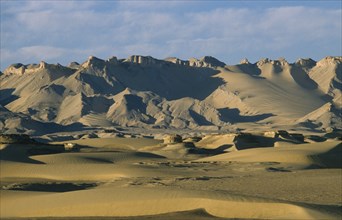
(65, 31)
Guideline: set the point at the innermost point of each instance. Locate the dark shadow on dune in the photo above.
(53, 88)
(302, 78)
(250, 69)
(7, 97)
(336, 210)
(99, 160)
(233, 115)
(137, 108)
(222, 148)
(41, 128)
(17, 153)
(32, 111)
(148, 155)
(310, 124)
(339, 72)
(196, 214)
(210, 152)
(135, 103)
(336, 133)
(316, 138)
(171, 81)
(332, 158)
(326, 98)
(98, 104)
(277, 169)
(50, 186)
(277, 69)
(77, 126)
(100, 85)
(337, 82)
(89, 149)
(247, 141)
(199, 119)
(45, 149)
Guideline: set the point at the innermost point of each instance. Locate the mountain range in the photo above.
(149, 93)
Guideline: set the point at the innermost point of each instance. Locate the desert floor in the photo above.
(144, 178)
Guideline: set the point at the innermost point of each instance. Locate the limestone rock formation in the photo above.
(206, 61)
(177, 61)
(245, 61)
(172, 139)
(143, 60)
(306, 62)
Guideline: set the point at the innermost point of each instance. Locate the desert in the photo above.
(146, 138)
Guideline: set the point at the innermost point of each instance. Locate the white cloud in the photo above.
(51, 30)
(37, 53)
(9, 6)
(42, 52)
(32, 54)
(150, 5)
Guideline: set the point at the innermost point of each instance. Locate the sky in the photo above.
(64, 31)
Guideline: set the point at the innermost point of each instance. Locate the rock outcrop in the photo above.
(177, 61)
(74, 65)
(206, 61)
(21, 69)
(172, 139)
(305, 62)
(16, 139)
(94, 62)
(143, 60)
(245, 61)
(279, 62)
(329, 60)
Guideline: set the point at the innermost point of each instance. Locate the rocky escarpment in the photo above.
(98, 63)
(327, 73)
(21, 69)
(279, 62)
(306, 63)
(206, 61)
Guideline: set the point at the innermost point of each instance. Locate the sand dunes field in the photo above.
(119, 177)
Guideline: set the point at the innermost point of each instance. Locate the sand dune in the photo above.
(131, 177)
(127, 202)
(324, 155)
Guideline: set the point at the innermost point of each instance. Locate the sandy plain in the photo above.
(146, 178)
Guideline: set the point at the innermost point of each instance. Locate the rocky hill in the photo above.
(145, 92)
